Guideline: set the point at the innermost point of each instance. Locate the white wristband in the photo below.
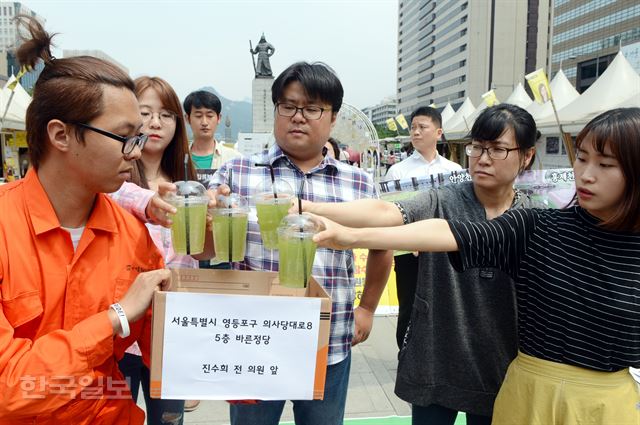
(124, 323)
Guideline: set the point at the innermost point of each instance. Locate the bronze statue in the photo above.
(264, 50)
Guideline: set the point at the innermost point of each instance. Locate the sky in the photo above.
(193, 44)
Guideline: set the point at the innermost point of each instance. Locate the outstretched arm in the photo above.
(432, 235)
(360, 213)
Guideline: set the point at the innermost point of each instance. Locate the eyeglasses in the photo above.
(476, 151)
(309, 112)
(128, 143)
(165, 117)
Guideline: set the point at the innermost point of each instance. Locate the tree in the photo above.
(384, 132)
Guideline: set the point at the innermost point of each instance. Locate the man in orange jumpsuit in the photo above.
(77, 273)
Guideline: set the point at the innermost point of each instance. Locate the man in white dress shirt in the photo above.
(426, 130)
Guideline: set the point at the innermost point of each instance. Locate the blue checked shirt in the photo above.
(330, 181)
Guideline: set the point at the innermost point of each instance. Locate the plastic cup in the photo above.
(297, 249)
(230, 229)
(189, 222)
(271, 209)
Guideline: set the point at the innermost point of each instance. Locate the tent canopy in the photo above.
(17, 112)
(618, 85)
(458, 122)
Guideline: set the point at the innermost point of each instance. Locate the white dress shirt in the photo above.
(417, 166)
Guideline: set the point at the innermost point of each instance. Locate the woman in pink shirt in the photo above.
(162, 161)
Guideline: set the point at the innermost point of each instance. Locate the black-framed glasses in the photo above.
(128, 143)
(476, 151)
(310, 112)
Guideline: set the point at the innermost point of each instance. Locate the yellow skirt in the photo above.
(540, 392)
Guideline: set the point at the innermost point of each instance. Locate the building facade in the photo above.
(587, 34)
(452, 49)
(10, 40)
(380, 113)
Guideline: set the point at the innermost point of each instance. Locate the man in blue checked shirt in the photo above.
(307, 98)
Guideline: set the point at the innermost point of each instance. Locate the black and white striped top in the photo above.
(577, 285)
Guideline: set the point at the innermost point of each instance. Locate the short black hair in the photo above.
(319, 81)
(427, 111)
(202, 99)
(495, 120)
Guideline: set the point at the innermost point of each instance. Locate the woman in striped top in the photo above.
(577, 274)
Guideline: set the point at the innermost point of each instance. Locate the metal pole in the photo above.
(566, 137)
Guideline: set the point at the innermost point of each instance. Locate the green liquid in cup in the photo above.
(237, 223)
(270, 214)
(197, 223)
(292, 251)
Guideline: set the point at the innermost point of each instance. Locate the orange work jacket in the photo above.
(58, 355)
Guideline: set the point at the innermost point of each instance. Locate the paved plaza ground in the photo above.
(373, 374)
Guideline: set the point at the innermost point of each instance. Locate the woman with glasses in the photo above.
(462, 333)
(577, 280)
(162, 161)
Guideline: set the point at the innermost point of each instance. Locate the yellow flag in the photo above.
(433, 105)
(490, 98)
(12, 85)
(391, 125)
(402, 121)
(539, 85)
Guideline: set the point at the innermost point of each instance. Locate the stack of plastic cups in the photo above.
(189, 222)
(297, 249)
(230, 228)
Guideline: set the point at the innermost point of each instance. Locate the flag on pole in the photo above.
(12, 85)
(391, 125)
(433, 105)
(490, 98)
(539, 85)
(402, 121)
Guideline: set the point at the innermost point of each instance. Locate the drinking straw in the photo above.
(304, 251)
(230, 226)
(273, 178)
(186, 208)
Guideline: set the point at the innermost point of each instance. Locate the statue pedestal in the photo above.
(262, 105)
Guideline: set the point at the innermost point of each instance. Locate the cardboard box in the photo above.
(234, 285)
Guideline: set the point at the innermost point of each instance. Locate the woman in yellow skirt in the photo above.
(577, 274)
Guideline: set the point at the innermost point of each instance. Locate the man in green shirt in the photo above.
(202, 111)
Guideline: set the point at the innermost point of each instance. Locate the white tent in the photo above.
(618, 85)
(563, 94)
(457, 123)
(16, 114)
(447, 112)
(461, 131)
(519, 97)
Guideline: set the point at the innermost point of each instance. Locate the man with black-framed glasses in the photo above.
(307, 98)
(128, 143)
(77, 272)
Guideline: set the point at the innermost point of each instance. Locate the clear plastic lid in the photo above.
(232, 204)
(300, 225)
(191, 190)
(265, 189)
